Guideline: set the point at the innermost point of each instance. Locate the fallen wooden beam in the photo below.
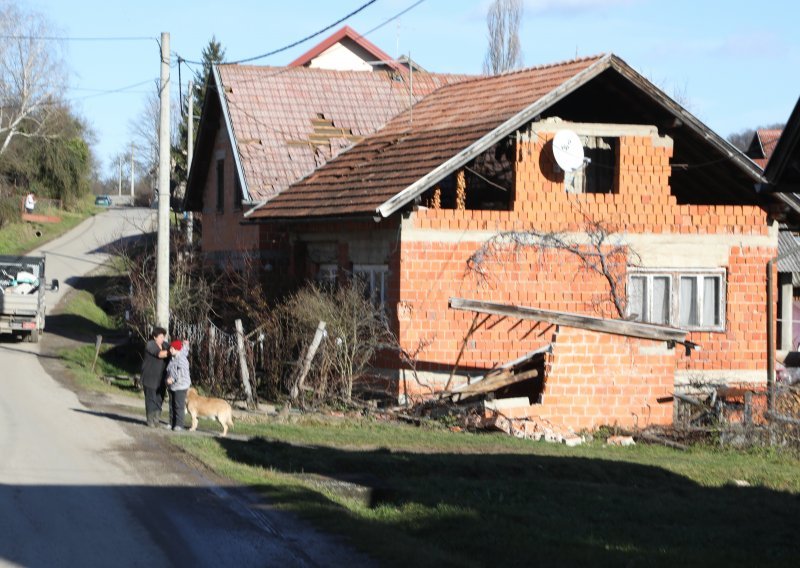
(491, 384)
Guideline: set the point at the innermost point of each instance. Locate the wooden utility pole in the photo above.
(162, 257)
(132, 176)
(119, 188)
(189, 152)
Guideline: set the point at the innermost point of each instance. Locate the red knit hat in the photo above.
(177, 345)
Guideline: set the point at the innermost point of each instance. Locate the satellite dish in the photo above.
(568, 150)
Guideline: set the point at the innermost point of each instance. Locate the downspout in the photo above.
(770, 336)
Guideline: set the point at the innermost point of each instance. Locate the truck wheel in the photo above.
(33, 337)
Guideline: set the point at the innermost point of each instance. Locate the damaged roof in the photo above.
(446, 130)
(284, 122)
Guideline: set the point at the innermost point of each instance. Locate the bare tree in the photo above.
(31, 74)
(600, 252)
(504, 53)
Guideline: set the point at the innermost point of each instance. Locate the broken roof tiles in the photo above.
(287, 121)
(416, 141)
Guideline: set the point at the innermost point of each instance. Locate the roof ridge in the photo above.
(542, 67)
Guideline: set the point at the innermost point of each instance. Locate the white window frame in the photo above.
(327, 273)
(675, 275)
(374, 273)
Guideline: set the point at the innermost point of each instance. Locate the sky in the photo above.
(733, 63)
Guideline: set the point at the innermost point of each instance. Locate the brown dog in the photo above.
(204, 407)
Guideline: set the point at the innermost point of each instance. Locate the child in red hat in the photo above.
(178, 382)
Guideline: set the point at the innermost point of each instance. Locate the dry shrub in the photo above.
(356, 330)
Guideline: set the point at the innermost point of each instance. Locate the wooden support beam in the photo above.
(616, 327)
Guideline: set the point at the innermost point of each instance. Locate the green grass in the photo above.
(86, 320)
(475, 500)
(79, 361)
(20, 237)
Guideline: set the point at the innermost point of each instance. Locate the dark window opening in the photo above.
(488, 180)
(599, 174)
(220, 186)
(237, 194)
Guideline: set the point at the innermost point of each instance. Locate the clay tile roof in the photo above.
(763, 144)
(769, 139)
(415, 142)
(288, 121)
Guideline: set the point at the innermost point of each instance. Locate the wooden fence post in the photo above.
(245, 370)
(98, 342)
(212, 337)
(307, 359)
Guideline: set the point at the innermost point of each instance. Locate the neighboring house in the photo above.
(346, 50)
(407, 207)
(782, 173)
(263, 128)
(762, 145)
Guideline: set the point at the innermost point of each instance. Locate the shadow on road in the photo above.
(112, 416)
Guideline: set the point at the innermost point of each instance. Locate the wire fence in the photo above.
(214, 358)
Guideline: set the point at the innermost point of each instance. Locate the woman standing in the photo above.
(155, 356)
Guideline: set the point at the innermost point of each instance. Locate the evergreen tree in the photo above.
(213, 53)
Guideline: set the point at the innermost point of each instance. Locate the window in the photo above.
(599, 173)
(689, 299)
(220, 186)
(327, 273)
(374, 277)
(237, 193)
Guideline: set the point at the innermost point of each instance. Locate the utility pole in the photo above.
(119, 187)
(162, 257)
(132, 176)
(189, 152)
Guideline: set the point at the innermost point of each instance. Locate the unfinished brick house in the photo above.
(263, 128)
(470, 169)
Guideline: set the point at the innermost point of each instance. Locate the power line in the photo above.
(73, 38)
(298, 42)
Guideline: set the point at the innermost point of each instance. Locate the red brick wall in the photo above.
(598, 379)
(222, 232)
(436, 244)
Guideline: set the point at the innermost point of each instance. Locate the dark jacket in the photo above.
(152, 366)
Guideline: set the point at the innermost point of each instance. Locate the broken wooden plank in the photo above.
(689, 399)
(659, 440)
(579, 321)
(783, 419)
(497, 382)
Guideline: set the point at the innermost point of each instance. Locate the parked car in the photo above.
(102, 200)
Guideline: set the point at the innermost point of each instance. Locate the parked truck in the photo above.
(22, 301)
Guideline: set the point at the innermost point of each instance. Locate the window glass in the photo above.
(636, 298)
(688, 301)
(711, 301)
(661, 296)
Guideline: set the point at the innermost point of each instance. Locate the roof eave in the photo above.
(226, 113)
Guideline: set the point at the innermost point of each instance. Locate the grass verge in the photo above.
(20, 237)
(442, 498)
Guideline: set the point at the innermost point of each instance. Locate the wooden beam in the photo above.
(496, 382)
(615, 327)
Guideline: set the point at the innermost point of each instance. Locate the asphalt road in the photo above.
(82, 487)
